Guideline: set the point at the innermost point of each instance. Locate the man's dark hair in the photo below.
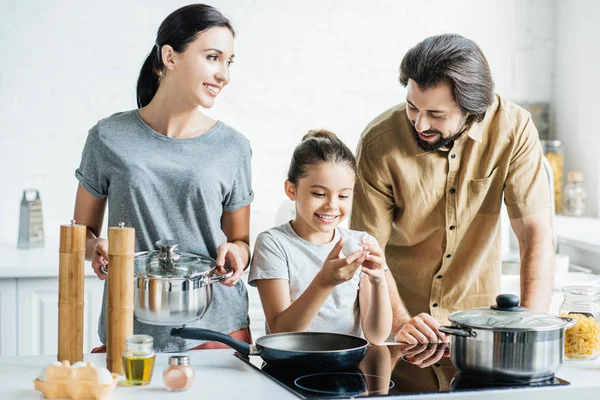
(458, 61)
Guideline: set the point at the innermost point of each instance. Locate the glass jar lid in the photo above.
(167, 262)
(179, 360)
(507, 314)
(139, 343)
(581, 290)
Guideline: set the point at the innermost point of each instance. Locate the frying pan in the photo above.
(301, 350)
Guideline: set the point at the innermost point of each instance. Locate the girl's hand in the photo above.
(229, 258)
(100, 258)
(374, 262)
(338, 270)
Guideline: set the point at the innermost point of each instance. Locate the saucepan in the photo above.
(171, 287)
(507, 342)
(299, 350)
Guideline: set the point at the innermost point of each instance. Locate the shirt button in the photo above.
(452, 190)
(435, 304)
(439, 277)
(452, 227)
(453, 156)
(448, 255)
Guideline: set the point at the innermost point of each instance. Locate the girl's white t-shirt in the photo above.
(279, 253)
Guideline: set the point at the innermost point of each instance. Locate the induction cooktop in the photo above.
(395, 369)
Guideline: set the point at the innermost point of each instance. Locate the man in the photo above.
(433, 171)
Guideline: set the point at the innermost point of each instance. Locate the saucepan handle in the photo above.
(211, 277)
(570, 322)
(205, 334)
(453, 330)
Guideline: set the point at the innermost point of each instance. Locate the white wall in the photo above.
(576, 98)
(300, 65)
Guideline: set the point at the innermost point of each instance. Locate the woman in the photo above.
(172, 172)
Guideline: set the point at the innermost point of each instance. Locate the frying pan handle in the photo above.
(452, 330)
(205, 334)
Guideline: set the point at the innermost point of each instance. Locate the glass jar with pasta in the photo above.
(582, 303)
(553, 151)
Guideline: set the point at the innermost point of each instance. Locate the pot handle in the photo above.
(213, 278)
(570, 322)
(205, 334)
(452, 330)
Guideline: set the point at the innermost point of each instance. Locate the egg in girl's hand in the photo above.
(351, 245)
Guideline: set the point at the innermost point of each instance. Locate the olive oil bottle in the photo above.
(138, 360)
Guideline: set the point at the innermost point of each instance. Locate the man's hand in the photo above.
(422, 328)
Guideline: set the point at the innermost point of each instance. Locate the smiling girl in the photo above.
(303, 281)
(172, 172)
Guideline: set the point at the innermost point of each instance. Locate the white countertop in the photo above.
(40, 262)
(583, 233)
(220, 375)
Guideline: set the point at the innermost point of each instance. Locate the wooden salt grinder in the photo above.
(121, 249)
(70, 292)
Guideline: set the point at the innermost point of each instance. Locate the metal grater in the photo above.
(31, 222)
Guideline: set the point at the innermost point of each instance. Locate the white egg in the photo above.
(42, 376)
(350, 246)
(78, 364)
(104, 376)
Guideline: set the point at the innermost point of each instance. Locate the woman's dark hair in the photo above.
(178, 30)
(318, 146)
(460, 62)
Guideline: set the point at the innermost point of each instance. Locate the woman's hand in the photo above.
(338, 270)
(374, 263)
(229, 258)
(100, 257)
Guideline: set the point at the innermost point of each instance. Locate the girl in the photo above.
(303, 283)
(171, 172)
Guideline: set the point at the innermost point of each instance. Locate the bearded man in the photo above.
(433, 172)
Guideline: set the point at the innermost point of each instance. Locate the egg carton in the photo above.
(66, 382)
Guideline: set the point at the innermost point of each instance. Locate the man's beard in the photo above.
(443, 142)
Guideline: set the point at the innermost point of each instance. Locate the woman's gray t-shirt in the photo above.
(176, 189)
(279, 253)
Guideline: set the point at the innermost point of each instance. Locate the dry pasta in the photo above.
(583, 339)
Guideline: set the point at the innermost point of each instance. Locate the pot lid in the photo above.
(167, 262)
(507, 314)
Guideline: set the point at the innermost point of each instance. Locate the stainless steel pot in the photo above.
(172, 288)
(506, 342)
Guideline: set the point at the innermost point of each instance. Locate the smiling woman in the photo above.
(172, 172)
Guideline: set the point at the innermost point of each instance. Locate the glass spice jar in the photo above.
(138, 360)
(582, 303)
(179, 375)
(574, 195)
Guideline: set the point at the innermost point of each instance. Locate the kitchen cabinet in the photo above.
(37, 309)
(8, 317)
(29, 315)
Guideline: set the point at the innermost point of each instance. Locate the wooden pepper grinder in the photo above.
(121, 250)
(70, 292)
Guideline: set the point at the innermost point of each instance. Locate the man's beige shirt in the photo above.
(437, 214)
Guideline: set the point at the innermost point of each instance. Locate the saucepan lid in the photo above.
(508, 314)
(168, 262)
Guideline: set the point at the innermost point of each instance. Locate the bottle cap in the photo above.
(139, 343)
(179, 360)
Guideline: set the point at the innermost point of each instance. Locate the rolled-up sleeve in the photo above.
(91, 172)
(526, 189)
(373, 203)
